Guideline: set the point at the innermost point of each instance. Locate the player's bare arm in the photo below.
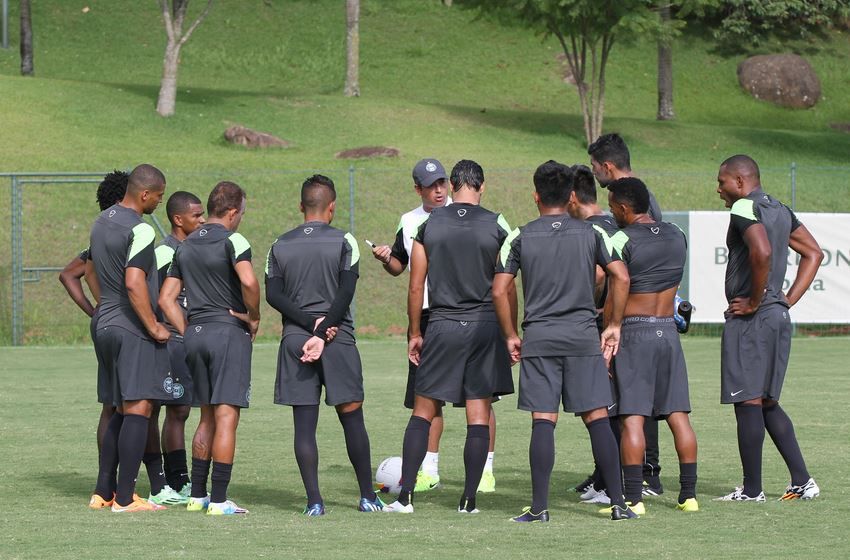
(140, 301)
(250, 296)
(503, 285)
(415, 297)
(70, 279)
(91, 279)
(758, 245)
(803, 243)
(168, 303)
(615, 305)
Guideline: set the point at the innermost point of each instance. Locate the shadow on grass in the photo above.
(205, 95)
(535, 122)
(825, 145)
(69, 483)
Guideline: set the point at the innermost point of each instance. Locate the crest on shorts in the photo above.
(464, 323)
(168, 385)
(556, 225)
(202, 233)
(430, 167)
(659, 333)
(111, 213)
(655, 230)
(177, 390)
(198, 328)
(308, 230)
(461, 212)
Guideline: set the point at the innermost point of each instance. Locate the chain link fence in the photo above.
(50, 215)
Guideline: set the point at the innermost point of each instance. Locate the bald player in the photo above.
(757, 335)
(223, 296)
(130, 342)
(650, 370)
(311, 275)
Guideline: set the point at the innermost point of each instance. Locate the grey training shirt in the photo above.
(655, 254)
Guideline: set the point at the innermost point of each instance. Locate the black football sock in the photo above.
(633, 483)
(359, 451)
(687, 481)
(598, 481)
(651, 464)
(596, 478)
(306, 418)
(781, 431)
(220, 480)
(474, 459)
(176, 472)
(607, 456)
(750, 442)
(541, 458)
(200, 473)
(412, 454)
(131, 448)
(156, 472)
(108, 460)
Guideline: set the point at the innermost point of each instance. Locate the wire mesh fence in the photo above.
(50, 215)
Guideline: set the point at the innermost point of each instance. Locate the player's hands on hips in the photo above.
(382, 253)
(414, 347)
(609, 343)
(312, 349)
(742, 306)
(514, 348)
(330, 333)
(160, 333)
(253, 324)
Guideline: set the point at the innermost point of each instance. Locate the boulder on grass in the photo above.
(253, 138)
(368, 152)
(787, 80)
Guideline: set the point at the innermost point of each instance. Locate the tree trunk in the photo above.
(665, 71)
(167, 99)
(447, 3)
(26, 39)
(352, 73)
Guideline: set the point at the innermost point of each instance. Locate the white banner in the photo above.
(828, 298)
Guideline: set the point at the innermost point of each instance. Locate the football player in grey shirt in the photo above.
(756, 339)
(561, 353)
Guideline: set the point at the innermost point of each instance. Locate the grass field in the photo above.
(435, 82)
(48, 416)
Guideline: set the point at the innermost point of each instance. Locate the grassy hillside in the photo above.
(434, 82)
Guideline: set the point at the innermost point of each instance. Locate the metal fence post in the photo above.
(17, 262)
(351, 224)
(794, 185)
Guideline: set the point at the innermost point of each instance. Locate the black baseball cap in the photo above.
(427, 172)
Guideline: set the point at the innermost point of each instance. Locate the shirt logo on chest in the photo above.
(556, 225)
(461, 212)
(655, 230)
(308, 230)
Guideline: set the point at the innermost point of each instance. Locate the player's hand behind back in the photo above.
(253, 325)
(514, 348)
(312, 349)
(160, 333)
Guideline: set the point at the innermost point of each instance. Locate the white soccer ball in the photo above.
(388, 475)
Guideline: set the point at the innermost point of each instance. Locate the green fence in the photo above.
(50, 215)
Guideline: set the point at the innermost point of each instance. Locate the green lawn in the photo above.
(48, 416)
(435, 82)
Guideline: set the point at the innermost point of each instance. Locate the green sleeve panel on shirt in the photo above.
(164, 255)
(269, 258)
(609, 242)
(503, 223)
(355, 249)
(417, 224)
(400, 226)
(240, 244)
(618, 241)
(143, 236)
(743, 207)
(506, 246)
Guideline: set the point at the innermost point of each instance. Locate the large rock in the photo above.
(252, 138)
(368, 152)
(787, 80)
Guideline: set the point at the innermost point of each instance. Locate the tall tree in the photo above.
(587, 31)
(173, 15)
(27, 68)
(665, 68)
(352, 43)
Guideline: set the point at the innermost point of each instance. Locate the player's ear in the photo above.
(332, 207)
(536, 196)
(481, 190)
